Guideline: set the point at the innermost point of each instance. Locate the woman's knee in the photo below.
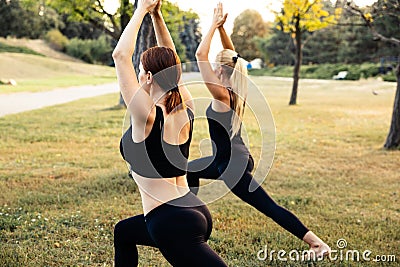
(119, 232)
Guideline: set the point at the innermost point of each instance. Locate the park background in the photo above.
(64, 184)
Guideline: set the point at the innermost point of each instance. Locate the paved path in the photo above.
(19, 102)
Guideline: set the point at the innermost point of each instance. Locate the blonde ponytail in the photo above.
(240, 89)
(236, 68)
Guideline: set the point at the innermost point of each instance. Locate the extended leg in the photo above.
(260, 200)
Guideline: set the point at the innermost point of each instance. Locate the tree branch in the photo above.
(97, 24)
(347, 24)
(111, 17)
(308, 8)
(368, 22)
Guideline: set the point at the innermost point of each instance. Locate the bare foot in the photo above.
(318, 249)
(321, 250)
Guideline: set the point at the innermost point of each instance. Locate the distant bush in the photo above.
(353, 75)
(322, 71)
(369, 70)
(56, 40)
(389, 77)
(17, 49)
(91, 51)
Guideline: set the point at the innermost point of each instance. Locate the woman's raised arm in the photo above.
(123, 52)
(164, 38)
(163, 35)
(210, 78)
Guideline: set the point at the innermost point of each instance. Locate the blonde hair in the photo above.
(235, 68)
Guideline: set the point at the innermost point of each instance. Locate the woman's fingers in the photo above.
(149, 4)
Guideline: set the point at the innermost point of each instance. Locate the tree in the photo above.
(93, 12)
(246, 27)
(277, 48)
(298, 17)
(173, 17)
(191, 36)
(382, 11)
(20, 20)
(79, 29)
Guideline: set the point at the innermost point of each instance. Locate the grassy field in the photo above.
(64, 184)
(38, 73)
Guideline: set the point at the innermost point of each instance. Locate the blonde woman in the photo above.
(231, 160)
(156, 146)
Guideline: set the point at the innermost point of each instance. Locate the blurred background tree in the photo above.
(298, 17)
(246, 28)
(85, 29)
(89, 20)
(383, 21)
(26, 20)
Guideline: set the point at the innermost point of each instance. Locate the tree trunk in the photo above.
(146, 39)
(297, 65)
(393, 138)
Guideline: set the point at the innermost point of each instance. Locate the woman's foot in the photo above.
(318, 249)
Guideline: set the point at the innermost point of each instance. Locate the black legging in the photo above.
(179, 228)
(207, 168)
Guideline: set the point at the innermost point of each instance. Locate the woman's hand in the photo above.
(157, 8)
(148, 5)
(219, 18)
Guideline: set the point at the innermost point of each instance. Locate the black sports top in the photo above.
(154, 157)
(220, 128)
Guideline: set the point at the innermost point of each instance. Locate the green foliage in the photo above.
(386, 17)
(369, 70)
(21, 19)
(348, 43)
(87, 19)
(184, 28)
(91, 51)
(246, 28)
(391, 77)
(174, 19)
(277, 48)
(101, 50)
(18, 22)
(79, 29)
(80, 10)
(353, 75)
(17, 49)
(56, 40)
(191, 35)
(323, 71)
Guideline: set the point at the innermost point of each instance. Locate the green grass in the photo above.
(34, 73)
(17, 49)
(64, 184)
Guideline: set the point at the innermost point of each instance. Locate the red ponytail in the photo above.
(165, 66)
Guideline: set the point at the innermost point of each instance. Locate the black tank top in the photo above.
(154, 157)
(220, 128)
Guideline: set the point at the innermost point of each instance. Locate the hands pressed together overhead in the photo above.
(219, 18)
(150, 6)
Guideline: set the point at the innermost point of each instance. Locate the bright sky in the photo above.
(204, 8)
